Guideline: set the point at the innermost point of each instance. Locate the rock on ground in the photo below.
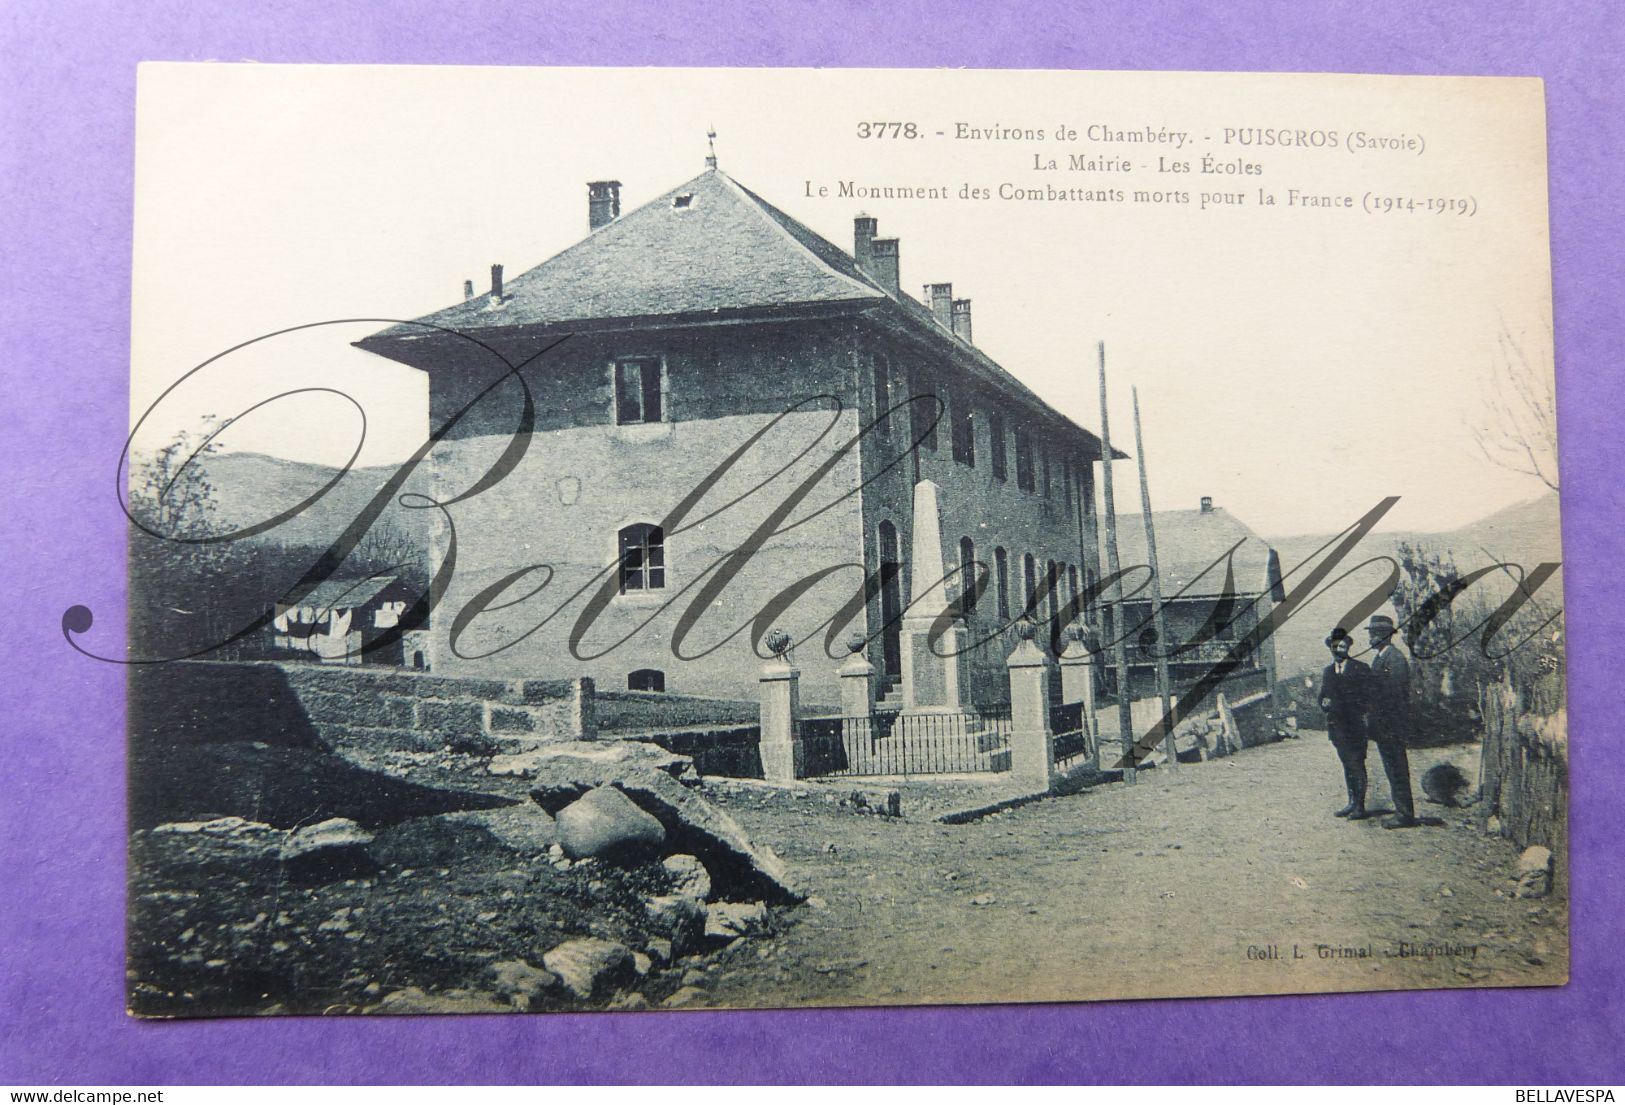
(413, 999)
(572, 768)
(605, 824)
(678, 919)
(331, 849)
(522, 983)
(729, 920)
(524, 828)
(689, 878)
(1534, 872)
(591, 968)
(736, 865)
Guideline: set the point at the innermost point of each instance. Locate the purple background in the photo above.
(67, 84)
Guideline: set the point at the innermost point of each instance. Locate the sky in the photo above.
(1295, 363)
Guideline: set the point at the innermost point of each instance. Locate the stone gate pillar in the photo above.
(1032, 742)
(857, 681)
(783, 757)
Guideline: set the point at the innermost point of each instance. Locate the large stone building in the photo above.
(708, 375)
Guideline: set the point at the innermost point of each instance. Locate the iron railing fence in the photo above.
(1073, 740)
(907, 744)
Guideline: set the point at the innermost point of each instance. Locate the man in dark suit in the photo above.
(1390, 716)
(1345, 686)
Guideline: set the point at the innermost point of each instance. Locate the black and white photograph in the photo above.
(651, 539)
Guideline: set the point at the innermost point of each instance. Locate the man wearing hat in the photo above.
(1345, 688)
(1389, 718)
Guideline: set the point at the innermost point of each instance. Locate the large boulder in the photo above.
(592, 969)
(605, 824)
(582, 765)
(738, 867)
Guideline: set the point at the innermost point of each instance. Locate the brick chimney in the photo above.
(886, 271)
(468, 289)
(1207, 504)
(941, 297)
(496, 285)
(864, 228)
(961, 316)
(603, 203)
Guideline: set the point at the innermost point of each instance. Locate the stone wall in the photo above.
(1524, 775)
(305, 704)
(652, 711)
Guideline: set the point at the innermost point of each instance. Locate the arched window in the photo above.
(1001, 573)
(643, 558)
(967, 575)
(1052, 578)
(882, 394)
(1029, 582)
(646, 679)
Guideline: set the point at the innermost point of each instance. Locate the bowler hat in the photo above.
(1338, 634)
(1380, 623)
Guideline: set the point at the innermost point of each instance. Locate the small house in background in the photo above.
(337, 621)
(1219, 580)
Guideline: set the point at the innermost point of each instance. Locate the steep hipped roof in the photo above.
(1192, 546)
(721, 251)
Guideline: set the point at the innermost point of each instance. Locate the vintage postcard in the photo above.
(673, 539)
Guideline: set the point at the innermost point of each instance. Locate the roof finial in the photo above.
(711, 142)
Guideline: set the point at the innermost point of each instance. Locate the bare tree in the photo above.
(1518, 430)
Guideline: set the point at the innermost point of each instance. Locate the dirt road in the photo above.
(1229, 877)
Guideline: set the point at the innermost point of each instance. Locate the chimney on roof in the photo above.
(468, 289)
(886, 270)
(961, 316)
(603, 203)
(940, 297)
(864, 228)
(496, 285)
(1207, 504)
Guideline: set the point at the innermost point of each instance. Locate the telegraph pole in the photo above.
(1161, 621)
(1125, 713)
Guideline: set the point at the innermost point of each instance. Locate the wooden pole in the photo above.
(1161, 621)
(1125, 713)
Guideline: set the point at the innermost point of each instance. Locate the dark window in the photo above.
(925, 411)
(882, 395)
(1001, 569)
(967, 575)
(1024, 461)
(643, 558)
(1052, 579)
(637, 390)
(646, 679)
(964, 431)
(995, 430)
(1029, 579)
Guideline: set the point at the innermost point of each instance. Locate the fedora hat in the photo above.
(1338, 634)
(1380, 623)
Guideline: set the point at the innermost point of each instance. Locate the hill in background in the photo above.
(1525, 534)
